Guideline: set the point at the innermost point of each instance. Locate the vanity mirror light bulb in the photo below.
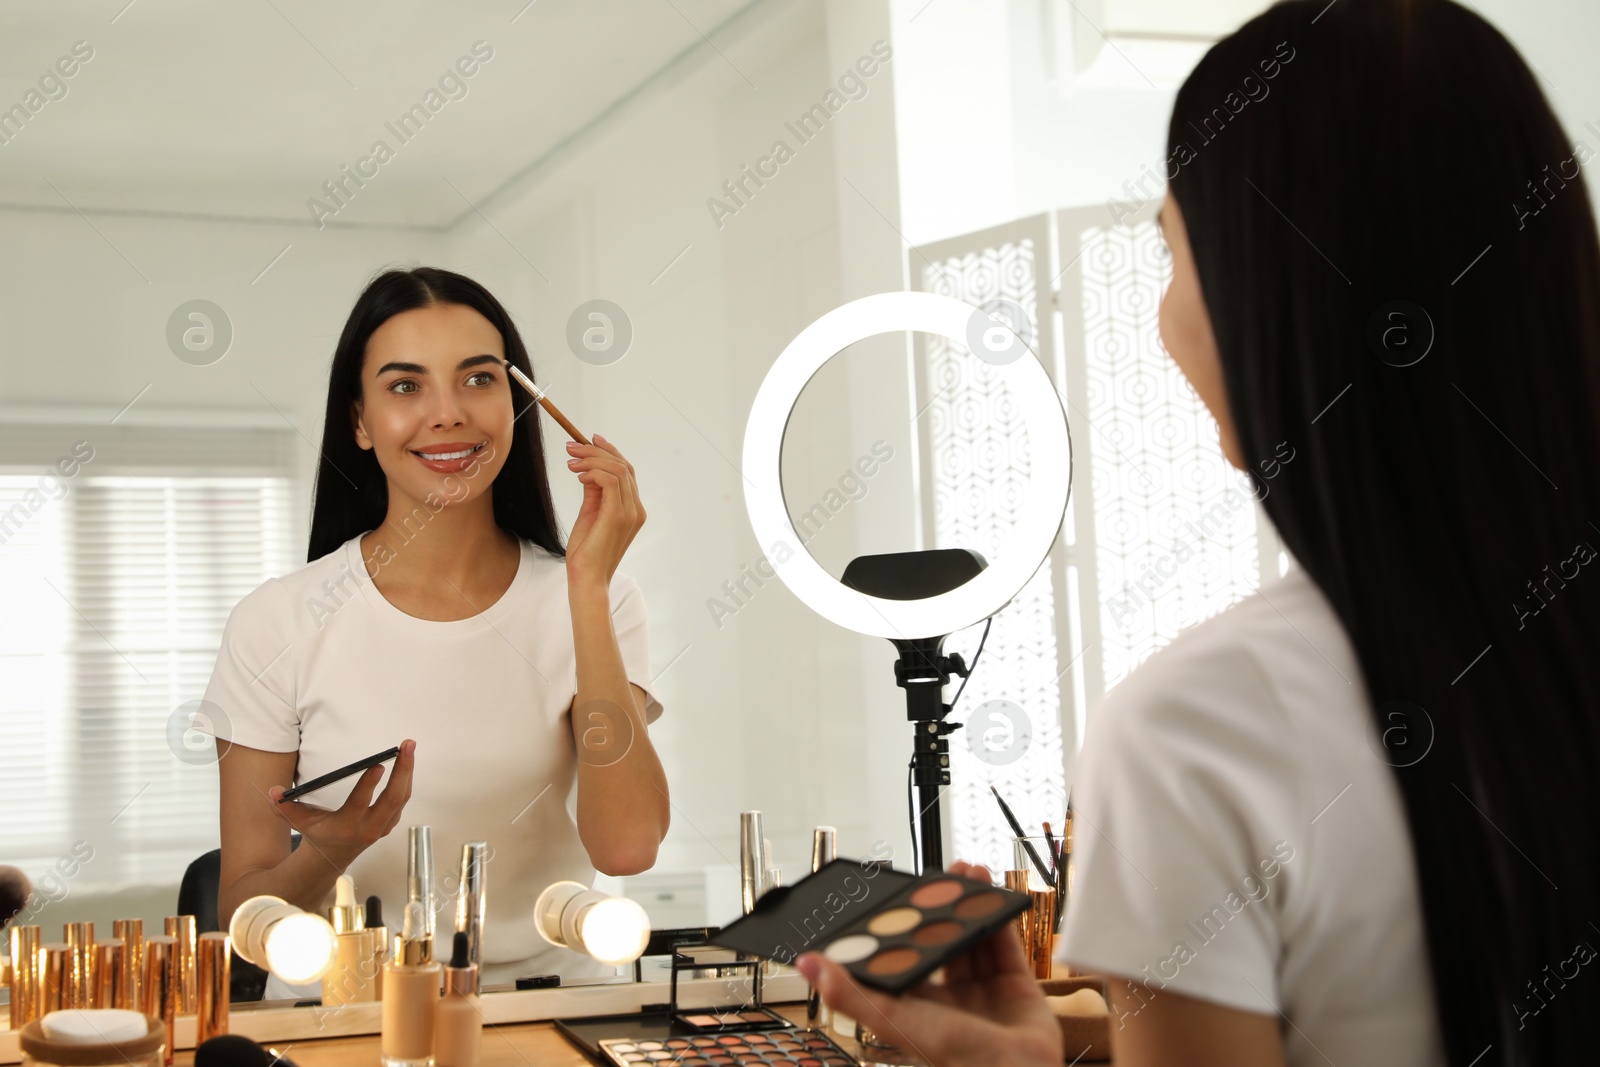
(613, 930)
(295, 945)
(301, 948)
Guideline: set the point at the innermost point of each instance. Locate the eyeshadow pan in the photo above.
(894, 921)
(893, 961)
(937, 894)
(852, 948)
(980, 904)
(937, 933)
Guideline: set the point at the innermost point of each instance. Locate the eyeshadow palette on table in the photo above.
(802, 1048)
(670, 1033)
(889, 929)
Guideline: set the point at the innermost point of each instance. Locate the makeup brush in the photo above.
(15, 889)
(1016, 828)
(544, 402)
(1055, 850)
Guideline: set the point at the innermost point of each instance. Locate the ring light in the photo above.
(1049, 473)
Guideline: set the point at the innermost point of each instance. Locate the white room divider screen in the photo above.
(1161, 533)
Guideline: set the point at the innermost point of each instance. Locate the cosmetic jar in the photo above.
(93, 1038)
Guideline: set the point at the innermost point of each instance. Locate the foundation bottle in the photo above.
(351, 980)
(410, 996)
(458, 1032)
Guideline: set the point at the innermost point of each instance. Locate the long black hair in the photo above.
(1401, 267)
(351, 494)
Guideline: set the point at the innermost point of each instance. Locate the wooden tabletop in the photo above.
(519, 1045)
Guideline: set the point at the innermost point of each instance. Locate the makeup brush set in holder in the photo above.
(1039, 924)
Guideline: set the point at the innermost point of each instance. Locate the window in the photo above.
(122, 550)
(1160, 533)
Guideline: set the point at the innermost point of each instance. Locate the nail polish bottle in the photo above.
(410, 996)
(458, 1033)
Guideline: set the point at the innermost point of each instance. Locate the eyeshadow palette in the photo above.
(889, 929)
(717, 1020)
(797, 1048)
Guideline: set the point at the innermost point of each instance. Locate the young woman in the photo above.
(1351, 819)
(438, 606)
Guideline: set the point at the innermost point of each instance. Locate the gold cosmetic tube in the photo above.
(24, 975)
(55, 976)
(181, 929)
(81, 987)
(212, 971)
(131, 932)
(161, 984)
(1017, 881)
(1042, 931)
(110, 973)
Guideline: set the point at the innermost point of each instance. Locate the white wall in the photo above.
(770, 708)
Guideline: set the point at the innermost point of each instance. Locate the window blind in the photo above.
(116, 581)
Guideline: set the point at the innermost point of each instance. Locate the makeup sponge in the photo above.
(1079, 1005)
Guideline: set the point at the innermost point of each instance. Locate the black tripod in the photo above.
(923, 669)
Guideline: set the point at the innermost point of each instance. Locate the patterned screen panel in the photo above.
(978, 463)
(1175, 526)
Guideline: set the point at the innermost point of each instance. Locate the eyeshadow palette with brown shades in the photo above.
(800, 1048)
(889, 929)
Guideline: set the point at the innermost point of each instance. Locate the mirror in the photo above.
(661, 196)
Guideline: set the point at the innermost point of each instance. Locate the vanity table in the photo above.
(510, 1045)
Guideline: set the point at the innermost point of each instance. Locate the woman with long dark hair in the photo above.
(1351, 819)
(439, 605)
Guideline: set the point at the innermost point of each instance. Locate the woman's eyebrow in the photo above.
(417, 368)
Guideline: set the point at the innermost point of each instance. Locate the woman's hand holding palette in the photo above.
(889, 929)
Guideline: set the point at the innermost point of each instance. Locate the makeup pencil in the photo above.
(544, 402)
(1016, 828)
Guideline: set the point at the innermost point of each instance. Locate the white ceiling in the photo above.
(244, 108)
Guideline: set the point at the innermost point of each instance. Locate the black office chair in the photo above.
(197, 896)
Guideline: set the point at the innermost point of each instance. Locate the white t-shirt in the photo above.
(1238, 838)
(319, 662)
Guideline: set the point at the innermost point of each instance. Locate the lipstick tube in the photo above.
(131, 932)
(161, 985)
(55, 976)
(81, 985)
(181, 929)
(472, 901)
(24, 975)
(110, 973)
(212, 972)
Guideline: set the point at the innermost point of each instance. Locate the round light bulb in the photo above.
(300, 948)
(615, 931)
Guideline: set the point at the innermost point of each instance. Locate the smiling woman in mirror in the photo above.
(438, 605)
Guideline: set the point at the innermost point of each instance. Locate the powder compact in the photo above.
(889, 929)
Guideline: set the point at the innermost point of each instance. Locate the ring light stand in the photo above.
(902, 596)
(923, 670)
